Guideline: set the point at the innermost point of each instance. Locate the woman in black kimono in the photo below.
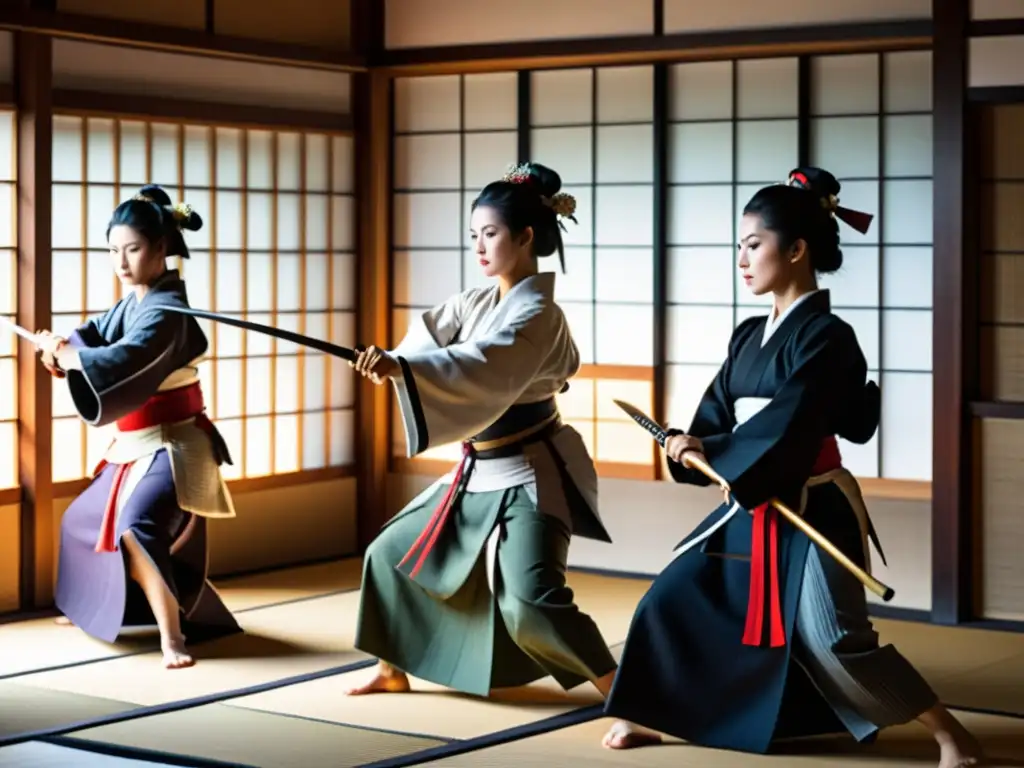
(160, 478)
(709, 657)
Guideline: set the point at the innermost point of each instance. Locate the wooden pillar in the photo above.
(371, 105)
(33, 76)
(952, 300)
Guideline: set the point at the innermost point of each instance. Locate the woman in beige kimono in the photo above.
(466, 586)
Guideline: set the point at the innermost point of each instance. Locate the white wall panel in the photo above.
(113, 69)
(997, 9)
(994, 61)
(690, 16)
(420, 23)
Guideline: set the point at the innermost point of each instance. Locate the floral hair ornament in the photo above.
(861, 222)
(563, 204)
(181, 211)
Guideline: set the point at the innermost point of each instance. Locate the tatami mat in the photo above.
(432, 710)
(36, 754)
(259, 739)
(281, 641)
(908, 745)
(25, 708)
(39, 644)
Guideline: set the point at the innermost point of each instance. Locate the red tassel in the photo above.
(438, 519)
(855, 219)
(766, 519)
(107, 540)
(778, 629)
(755, 602)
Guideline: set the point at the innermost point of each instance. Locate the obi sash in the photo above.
(519, 426)
(184, 403)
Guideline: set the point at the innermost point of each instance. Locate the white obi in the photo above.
(198, 483)
(745, 408)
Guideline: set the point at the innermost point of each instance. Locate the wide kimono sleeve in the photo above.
(118, 376)
(714, 414)
(434, 328)
(772, 454)
(448, 393)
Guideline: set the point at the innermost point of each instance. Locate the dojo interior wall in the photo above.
(996, 63)
(278, 243)
(10, 513)
(282, 193)
(732, 126)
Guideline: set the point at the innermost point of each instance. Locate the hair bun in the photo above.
(548, 181)
(187, 218)
(816, 180)
(154, 194)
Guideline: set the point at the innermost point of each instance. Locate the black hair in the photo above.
(526, 197)
(152, 214)
(804, 209)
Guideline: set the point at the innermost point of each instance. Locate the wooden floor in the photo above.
(273, 697)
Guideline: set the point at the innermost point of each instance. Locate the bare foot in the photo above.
(623, 735)
(175, 655)
(961, 751)
(63, 621)
(385, 681)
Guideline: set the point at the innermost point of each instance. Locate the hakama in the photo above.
(159, 479)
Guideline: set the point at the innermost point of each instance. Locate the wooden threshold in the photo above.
(71, 488)
(185, 111)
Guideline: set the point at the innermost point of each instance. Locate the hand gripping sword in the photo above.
(865, 578)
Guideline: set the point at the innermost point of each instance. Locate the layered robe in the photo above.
(159, 478)
(703, 660)
(483, 602)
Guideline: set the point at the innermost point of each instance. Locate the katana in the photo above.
(865, 578)
(334, 350)
(30, 337)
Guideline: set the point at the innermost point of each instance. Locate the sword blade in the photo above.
(645, 421)
(278, 333)
(19, 331)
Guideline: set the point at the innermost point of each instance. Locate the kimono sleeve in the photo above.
(435, 328)
(714, 414)
(118, 377)
(98, 331)
(449, 393)
(772, 454)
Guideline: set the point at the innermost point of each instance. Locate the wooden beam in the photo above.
(995, 27)
(997, 409)
(373, 110)
(996, 94)
(173, 39)
(951, 500)
(661, 109)
(650, 48)
(220, 114)
(6, 94)
(35, 128)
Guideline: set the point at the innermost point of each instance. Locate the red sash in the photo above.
(167, 407)
(435, 525)
(764, 566)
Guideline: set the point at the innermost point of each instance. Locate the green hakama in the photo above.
(448, 626)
